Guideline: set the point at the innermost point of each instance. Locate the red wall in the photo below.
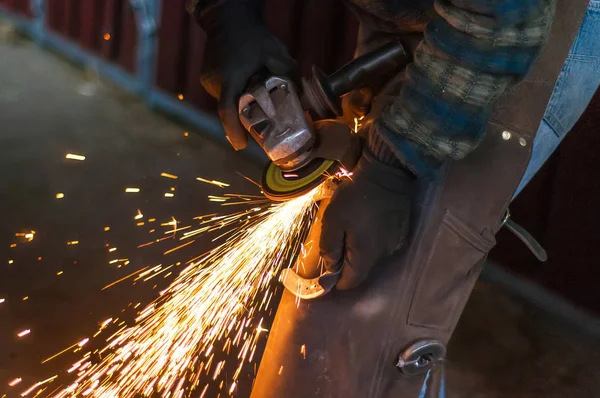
(20, 7)
(321, 32)
(105, 27)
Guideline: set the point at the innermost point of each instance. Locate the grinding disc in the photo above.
(280, 185)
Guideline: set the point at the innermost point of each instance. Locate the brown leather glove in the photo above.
(239, 47)
(366, 221)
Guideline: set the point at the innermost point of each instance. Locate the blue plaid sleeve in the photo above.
(472, 51)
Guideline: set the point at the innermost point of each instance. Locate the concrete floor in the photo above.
(503, 347)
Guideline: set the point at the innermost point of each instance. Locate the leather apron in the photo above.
(381, 340)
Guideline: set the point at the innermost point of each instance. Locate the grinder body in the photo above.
(271, 111)
(287, 122)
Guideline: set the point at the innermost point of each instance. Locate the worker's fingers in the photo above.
(352, 276)
(332, 240)
(359, 102)
(360, 256)
(210, 79)
(280, 63)
(228, 111)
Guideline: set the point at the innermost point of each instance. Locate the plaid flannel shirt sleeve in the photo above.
(472, 51)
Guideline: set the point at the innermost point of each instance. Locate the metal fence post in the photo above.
(146, 14)
(37, 11)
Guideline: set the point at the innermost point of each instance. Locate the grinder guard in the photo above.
(336, 147)
(271, 111)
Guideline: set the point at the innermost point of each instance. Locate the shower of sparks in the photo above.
(60, 195)
(214, 302)
(73, 242)
(174, 177)
(169, 195)
(213, 182)
(132, 190)
(74, 156)
(139, 215)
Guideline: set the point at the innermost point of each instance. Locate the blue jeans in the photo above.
(576, 84)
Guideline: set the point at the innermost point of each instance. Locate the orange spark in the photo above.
(172, 176)
(213, 182)
(15, 382)
(74, 156)
(23, 333)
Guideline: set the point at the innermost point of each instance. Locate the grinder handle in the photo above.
(322, 93)
(358, 72)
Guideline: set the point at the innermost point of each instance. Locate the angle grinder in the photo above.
(296, 128)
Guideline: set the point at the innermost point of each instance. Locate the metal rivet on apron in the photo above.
(522, 141)
(421, 356)
(506, 135)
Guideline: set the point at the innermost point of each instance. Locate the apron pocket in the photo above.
(447, 278)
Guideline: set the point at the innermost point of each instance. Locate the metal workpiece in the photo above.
(271, 111)
(343, 344)
(307, 278)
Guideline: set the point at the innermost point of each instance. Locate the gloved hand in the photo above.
(366, 221)
(239, 46)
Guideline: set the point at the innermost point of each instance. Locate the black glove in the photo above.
(239, 46)
(367, 220)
